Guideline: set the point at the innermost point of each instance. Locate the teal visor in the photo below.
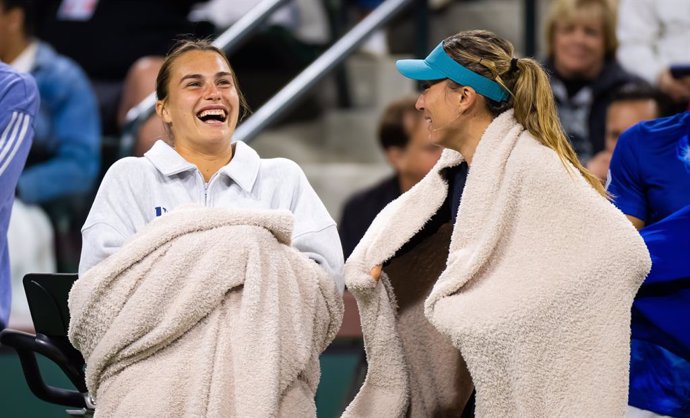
(438, 65)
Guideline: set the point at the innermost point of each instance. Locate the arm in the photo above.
(315, 233)
(75, 126)
(626, 180)
(18, 106)
(99, 241)
(113, 215)
(637, 222)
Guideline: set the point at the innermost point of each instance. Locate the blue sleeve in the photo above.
(18, 107)
(626, 180)
(75, 126)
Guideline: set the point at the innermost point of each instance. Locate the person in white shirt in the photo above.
(653, 35)
(200, 104)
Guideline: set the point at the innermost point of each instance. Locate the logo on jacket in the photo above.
(160, 210)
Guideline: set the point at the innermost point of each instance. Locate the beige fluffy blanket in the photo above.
(536, 291)
(205, 313)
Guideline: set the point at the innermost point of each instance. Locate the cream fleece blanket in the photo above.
(536, 292)
(205, 313)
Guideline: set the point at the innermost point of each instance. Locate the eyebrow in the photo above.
(199, 76)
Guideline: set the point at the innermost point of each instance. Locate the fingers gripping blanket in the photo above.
(536, 292)
(205, 313)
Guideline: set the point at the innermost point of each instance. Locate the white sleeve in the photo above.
(99, 241)
(109, 222)
(316, 234)
(639, 29)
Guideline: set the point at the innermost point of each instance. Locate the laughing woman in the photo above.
(541, 271)
(209, 277)
(200, 103)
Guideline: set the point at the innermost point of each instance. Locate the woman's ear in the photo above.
(162, 111)
(467, 96)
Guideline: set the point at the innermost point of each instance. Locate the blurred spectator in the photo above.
(650, 182)
(581, 37)
(404, 137)
(63, 163)
(18, 107)
(654, 35)
(630, 104)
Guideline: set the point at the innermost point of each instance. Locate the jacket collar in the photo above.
(243, 169)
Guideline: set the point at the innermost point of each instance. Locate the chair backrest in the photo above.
(47, 295)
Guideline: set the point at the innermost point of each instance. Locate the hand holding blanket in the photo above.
(205, 313)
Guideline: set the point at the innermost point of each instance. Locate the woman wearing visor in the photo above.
(541, 271)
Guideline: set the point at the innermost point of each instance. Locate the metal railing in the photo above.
(317, 70)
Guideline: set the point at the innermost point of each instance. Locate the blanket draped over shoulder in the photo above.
(536, 290)
(205, 313)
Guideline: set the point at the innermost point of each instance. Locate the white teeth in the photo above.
(217, 112)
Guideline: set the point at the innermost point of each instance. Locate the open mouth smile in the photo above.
(213, 116)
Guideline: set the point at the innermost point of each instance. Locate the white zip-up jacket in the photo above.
(135, 191)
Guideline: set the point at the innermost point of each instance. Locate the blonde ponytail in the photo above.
(535, 109)
(531, 96)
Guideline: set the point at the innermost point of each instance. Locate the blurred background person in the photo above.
(405, 140)
(18, 107)
(630, 104)
(64, 160)
(655, 35)
(581, 39)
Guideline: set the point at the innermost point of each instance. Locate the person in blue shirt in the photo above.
(64, 162)
(650, 169)
(649, 179)
(18, 107)
(65, 158)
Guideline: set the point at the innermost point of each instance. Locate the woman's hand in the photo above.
(375, 272)
(678, 89)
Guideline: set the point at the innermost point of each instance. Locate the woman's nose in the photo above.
(419, 104)
(212, 92)
(579, 35)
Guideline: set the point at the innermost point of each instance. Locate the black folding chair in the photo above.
(47, 296)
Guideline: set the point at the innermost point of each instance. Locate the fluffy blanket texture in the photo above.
(440, 384)
(536, 291)
(205, 313)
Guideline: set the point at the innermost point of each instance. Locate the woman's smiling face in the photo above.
(202, 106)
(580, 46)
(439, 107)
